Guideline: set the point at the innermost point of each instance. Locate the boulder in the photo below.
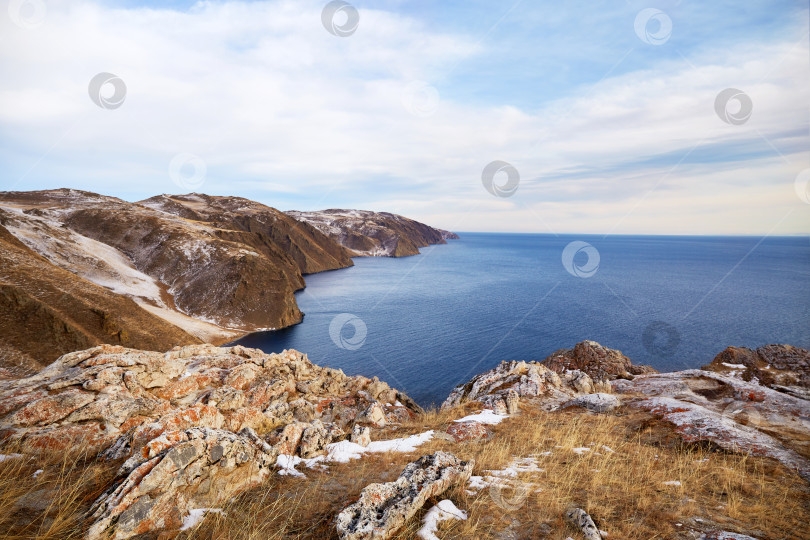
(781, 367)
(361, 435)
(285, 440)
(176, 473)
(384, 508)
(374, 415)
(315, 438)
(512, 382)
(583, 522)
(599, 402)
(468, 431)
(598, 361)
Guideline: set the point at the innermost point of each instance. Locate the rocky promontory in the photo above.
(375, 234)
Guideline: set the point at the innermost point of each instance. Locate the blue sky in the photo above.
(608, 132)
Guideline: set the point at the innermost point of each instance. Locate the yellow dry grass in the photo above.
(45, 495)
(623, 489)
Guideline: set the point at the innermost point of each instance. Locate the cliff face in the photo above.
(369, 234)
(269, 230)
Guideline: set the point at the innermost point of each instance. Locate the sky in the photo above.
(604, 117)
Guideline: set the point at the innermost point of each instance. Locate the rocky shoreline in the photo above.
(194, 427)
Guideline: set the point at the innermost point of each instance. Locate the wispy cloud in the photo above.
(610, 134)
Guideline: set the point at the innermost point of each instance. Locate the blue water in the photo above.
(434, 320)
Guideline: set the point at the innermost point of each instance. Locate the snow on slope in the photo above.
(87, 258)
(105, 266)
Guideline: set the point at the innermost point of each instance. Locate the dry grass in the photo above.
(51, 505)
(623, 490)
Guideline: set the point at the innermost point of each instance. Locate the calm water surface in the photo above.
(436, 319)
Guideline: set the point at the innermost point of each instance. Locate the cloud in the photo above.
(282, 111)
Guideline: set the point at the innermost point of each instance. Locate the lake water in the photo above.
(427, 323)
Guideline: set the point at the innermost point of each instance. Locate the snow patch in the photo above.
(195, 516)
(487, 416)
(444, 510)
(345, 451)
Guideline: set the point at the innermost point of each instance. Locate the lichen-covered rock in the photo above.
(374, 415)
(468, 431)
(598, 361)
(177, 472)
(109, 396)
(781, 367)
(512, 400)
(583, 522)
(384, 508)
(512, 381)
(361, 435)
(599, 402)
(728, 411)
(315, 438)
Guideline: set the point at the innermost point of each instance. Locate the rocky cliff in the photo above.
(173, 269)
(369, 234)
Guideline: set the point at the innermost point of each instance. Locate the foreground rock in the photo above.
(781, 367)
(727, 411)
(124, 398)
(598, 361)
(176, 473)
(502, 387)
(583, 522)
(384, 508)
(599, 402)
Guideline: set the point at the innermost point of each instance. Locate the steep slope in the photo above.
(234, 279)
(46, 311)
(370, 234)
(272, 230)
